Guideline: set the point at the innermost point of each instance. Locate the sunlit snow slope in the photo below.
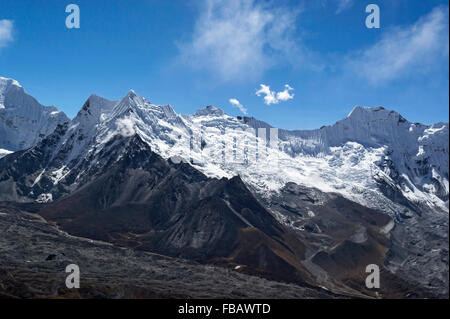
(23, 121)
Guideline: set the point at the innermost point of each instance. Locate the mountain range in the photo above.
(310, 208)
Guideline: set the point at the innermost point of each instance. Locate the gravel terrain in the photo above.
(34, 255)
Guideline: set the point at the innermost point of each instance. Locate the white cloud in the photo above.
(417, 47)
(272, 97)
(269, 96)
(125, 127)
(238, 39)
(343, 5)
(6, 28)
(238, 104)
(285, 95)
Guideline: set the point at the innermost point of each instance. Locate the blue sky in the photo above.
(193, 53)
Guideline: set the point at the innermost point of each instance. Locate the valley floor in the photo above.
(34, 255)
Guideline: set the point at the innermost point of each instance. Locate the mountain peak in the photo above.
(94, 96)
(363, 113)
(95, 105)
(4, 82)
(24, 121)
(131, 93)
(130, 101)
(133, 96)
(9, 87)
(365, 109)
(209, 110)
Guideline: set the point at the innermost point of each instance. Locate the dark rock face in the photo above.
(147, 203)
(19, 170)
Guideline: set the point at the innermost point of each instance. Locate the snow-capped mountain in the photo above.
(413, 163)
(374, 156)
(23, 121)
(312, 181)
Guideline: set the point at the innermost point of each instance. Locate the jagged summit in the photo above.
(367, 109)
(133, 97)
(363, 113)
(209, 110)
(95, 100)
(10, 91)
(131, 101)
(93, 112)
(7, 81)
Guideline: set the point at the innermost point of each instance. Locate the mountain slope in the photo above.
(23, 121)
(342, 238)
(62, 161)
(35, 253)
(414, 163)
(147, 203)
(372, 152)
(142, 201)
(218, 189)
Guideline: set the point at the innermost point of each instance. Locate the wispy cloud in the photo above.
(238, 104)
(125, 127)
(343, 5)
(6, 32)
(400, 51)
(273, 97)
(237, 39)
